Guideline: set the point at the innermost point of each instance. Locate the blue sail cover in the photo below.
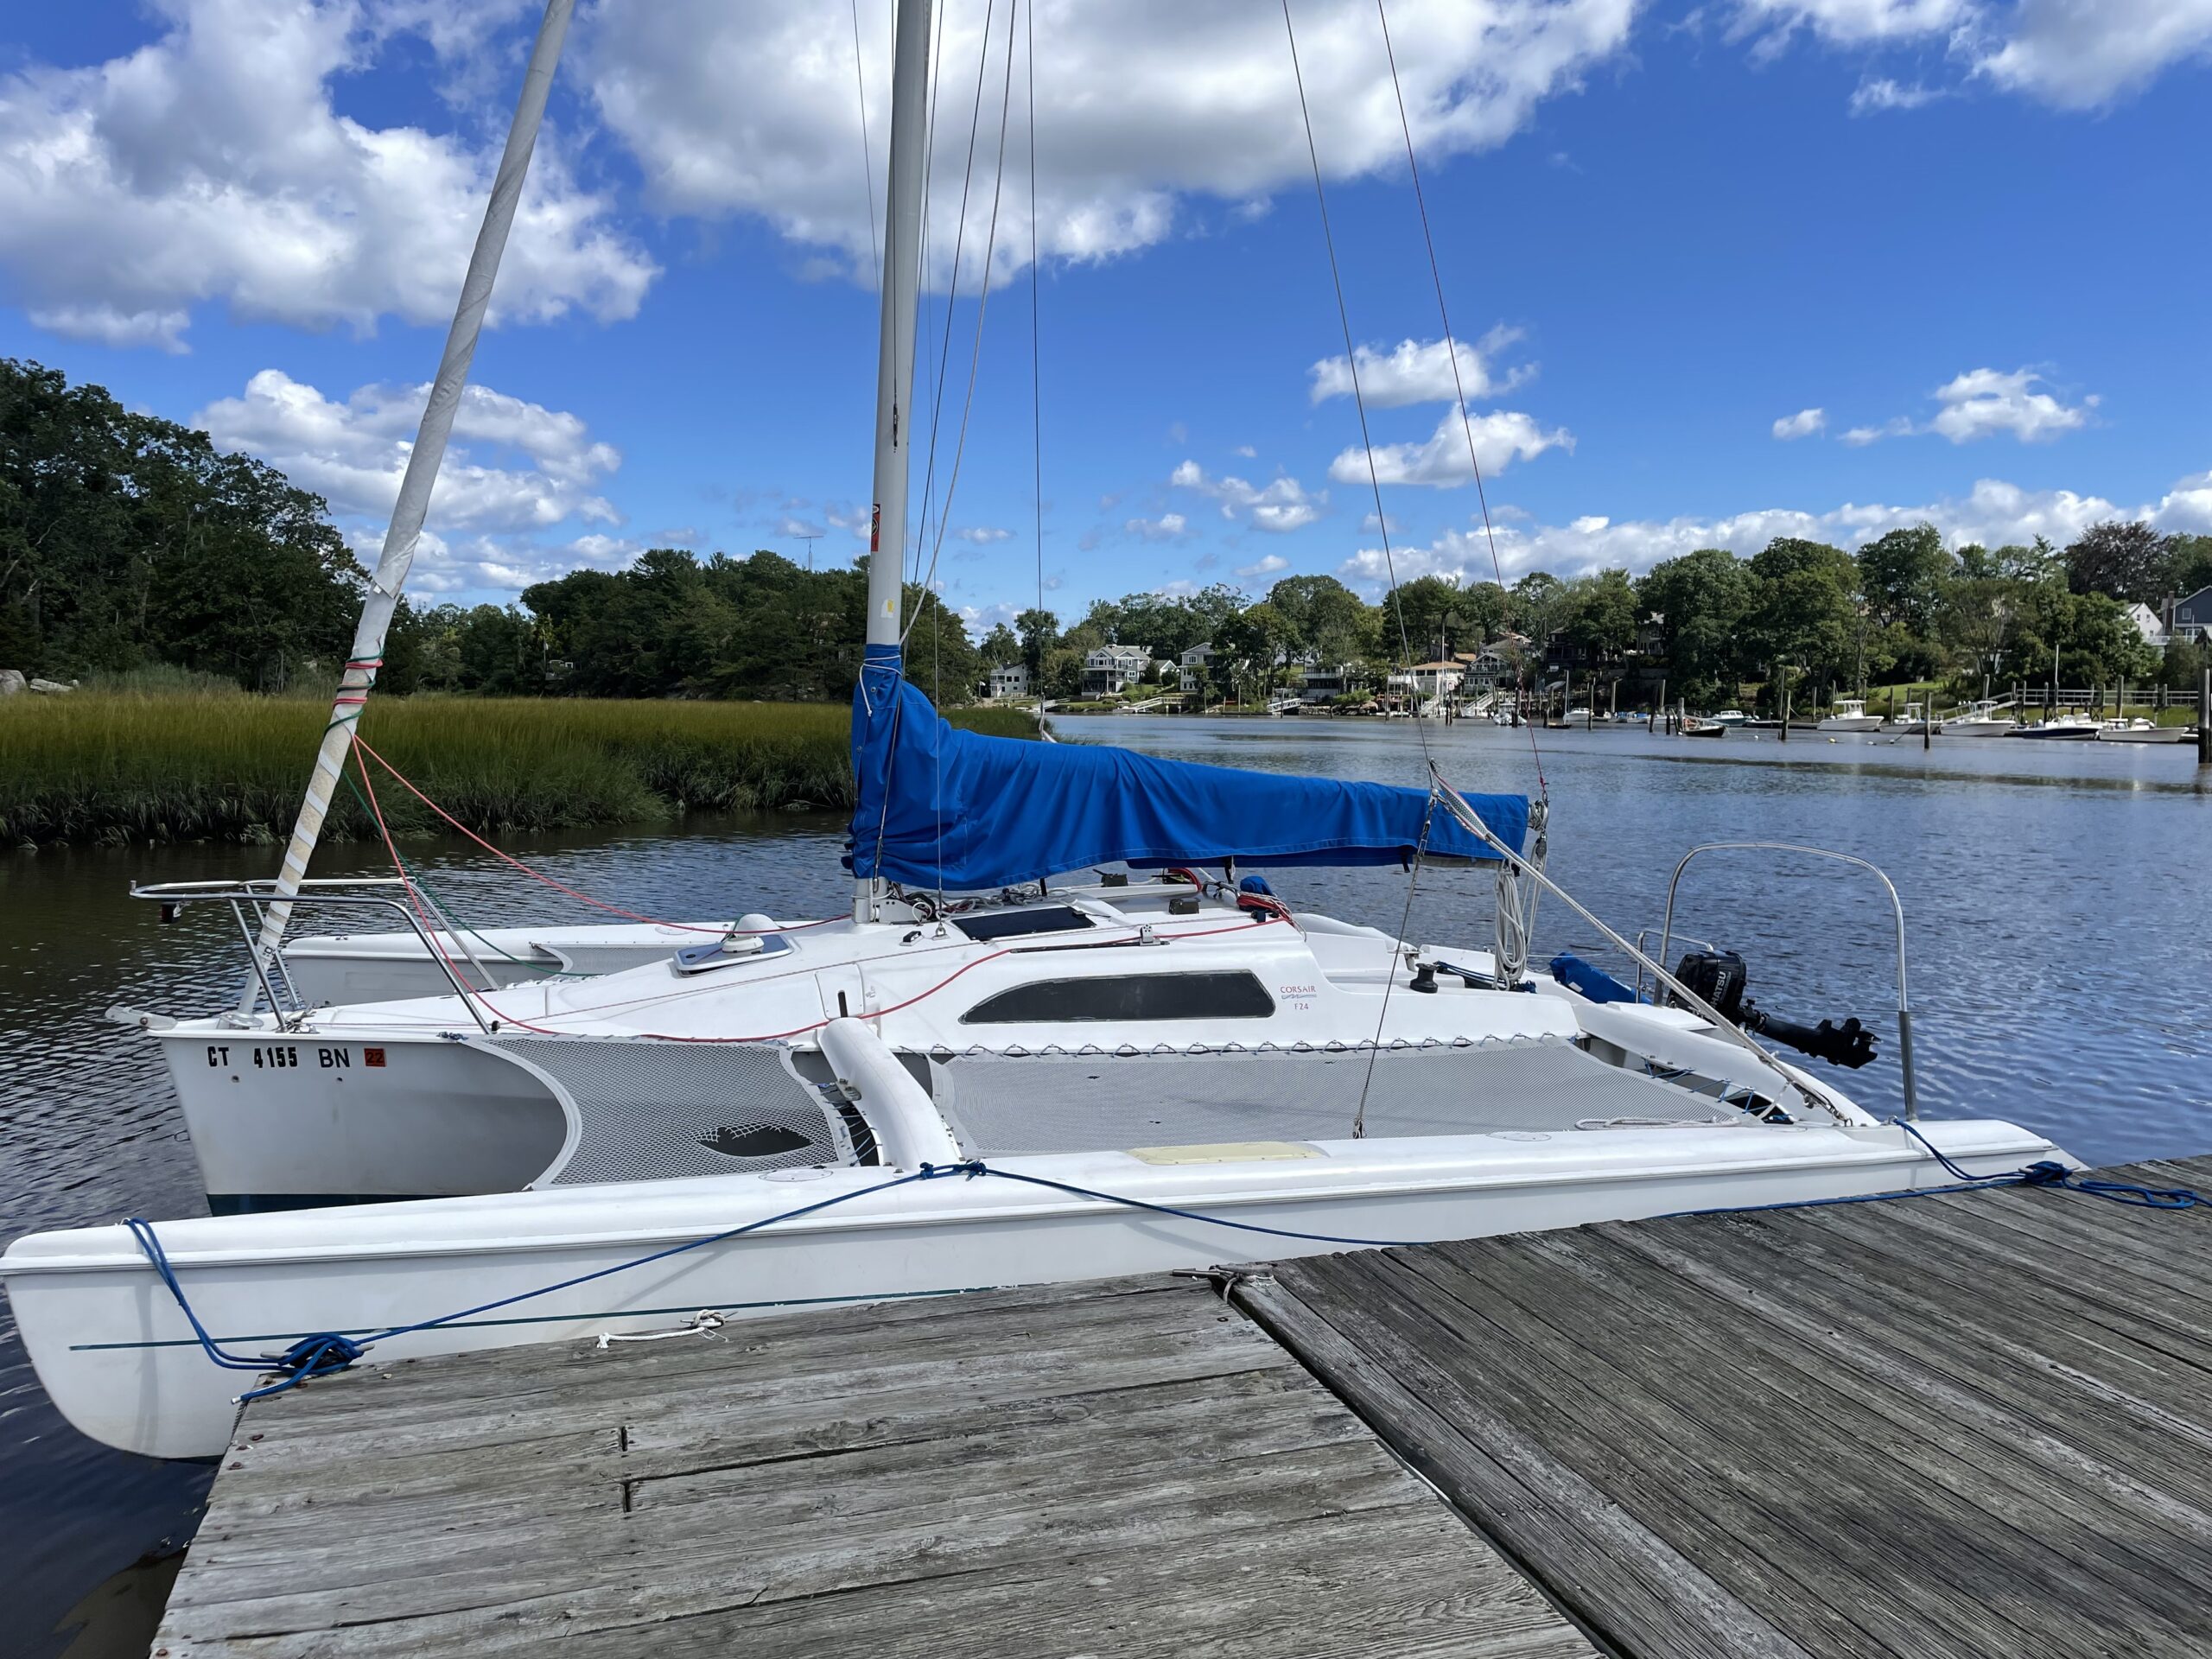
(940, 807)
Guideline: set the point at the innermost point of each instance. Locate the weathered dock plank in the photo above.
(1976, 1424)
(1129, 1468)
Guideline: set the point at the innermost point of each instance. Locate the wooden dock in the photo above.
(1979, 1424)
(1125, 1468)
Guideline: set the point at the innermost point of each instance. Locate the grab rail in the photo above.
(1897, 906)
(173, 896)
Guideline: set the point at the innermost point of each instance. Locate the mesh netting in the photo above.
(1000, 1103)
(656, 1111)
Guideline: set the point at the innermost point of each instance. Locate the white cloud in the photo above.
(2074, 55)
(1982, 401)
(1994, 514)
(2081, 53)
(982, 534)
(1154, 115)
(1803, 424)
(210, 165)
(1873, 96)
(1980, 404)
(1418, 371)
(514, 470)
(1852, 22)
(1500, 436)
(799, 529)
(1280, 506)
(1266, 567)
(1247, 452)
(1168, 527)
(104, 324)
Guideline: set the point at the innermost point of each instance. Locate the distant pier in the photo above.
(1971, 1424)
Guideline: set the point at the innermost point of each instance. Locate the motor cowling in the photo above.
(1719, 979)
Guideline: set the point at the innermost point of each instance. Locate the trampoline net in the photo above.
(1002, 1104)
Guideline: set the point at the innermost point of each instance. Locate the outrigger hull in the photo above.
(117, 1356)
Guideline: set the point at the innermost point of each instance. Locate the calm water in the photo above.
(2056, 897)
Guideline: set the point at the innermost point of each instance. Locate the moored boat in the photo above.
(1849, 715)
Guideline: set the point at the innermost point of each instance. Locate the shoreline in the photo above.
(125, 768)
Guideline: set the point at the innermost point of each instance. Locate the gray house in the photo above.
(2191, 618)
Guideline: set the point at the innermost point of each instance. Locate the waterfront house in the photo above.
(2191, 618)
(1324, 683)
(1438, 679)
(1110, 670)
(1010, 680)
(1192, 668)
(2149, 624)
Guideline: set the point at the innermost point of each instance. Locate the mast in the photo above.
(423, 463)
(894, 377)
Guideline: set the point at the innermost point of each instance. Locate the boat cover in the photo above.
(944, 807)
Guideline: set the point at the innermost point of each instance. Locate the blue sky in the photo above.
(1718, 272)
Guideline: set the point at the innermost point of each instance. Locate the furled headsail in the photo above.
(939, 807)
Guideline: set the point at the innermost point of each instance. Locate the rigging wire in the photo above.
(1352, 365)
(1382, 523)
(1451, 350)
(982, 304)
(952, 294)
(867, 155)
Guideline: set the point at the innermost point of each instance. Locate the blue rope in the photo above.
(975, 1167)
(329, 1351)
(2047, 1172)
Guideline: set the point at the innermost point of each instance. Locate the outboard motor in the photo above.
(1719, 977)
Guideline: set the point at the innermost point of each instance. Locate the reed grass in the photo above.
(119, 762)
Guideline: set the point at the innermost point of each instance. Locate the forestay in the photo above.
(955, 810)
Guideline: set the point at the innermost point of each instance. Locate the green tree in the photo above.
(1701, 600)
(2129, 561)
(1903, 575)
(126, 539)
(1039, 632)
(1601, 613)
(999, 648)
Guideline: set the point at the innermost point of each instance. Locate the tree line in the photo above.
(126, 540)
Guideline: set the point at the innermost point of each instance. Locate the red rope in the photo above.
(539, 876)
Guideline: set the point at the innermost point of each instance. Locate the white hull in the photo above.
(1850, 723)
(412, 1099)
(115, 1355)
(1978, 727)
(2154, 734)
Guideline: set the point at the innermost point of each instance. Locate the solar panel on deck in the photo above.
(1013, 923)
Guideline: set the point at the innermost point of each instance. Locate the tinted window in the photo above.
(1127, 996)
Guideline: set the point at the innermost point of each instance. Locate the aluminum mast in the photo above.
(423, 463)
(894, 377)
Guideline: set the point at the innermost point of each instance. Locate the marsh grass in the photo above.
(171, 760)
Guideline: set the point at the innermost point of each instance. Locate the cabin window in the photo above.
(1134, 997)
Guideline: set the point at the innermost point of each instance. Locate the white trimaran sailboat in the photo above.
(1122, 1075)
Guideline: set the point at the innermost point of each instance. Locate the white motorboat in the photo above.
(2139, 730)
(1979, 719)
(1849, 715)
(2062, 728)
(1913, 723)
(1727, 717)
